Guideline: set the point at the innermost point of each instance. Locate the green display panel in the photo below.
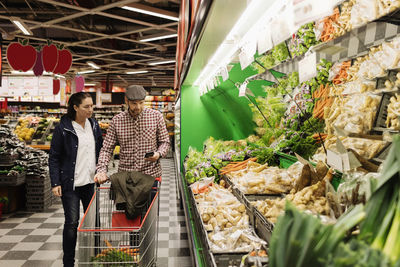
(220, 113)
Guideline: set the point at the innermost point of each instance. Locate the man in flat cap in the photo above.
(139, 131)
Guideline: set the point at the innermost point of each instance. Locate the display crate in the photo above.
(8, 159)
(38, 206)
(12, 180)
(37, 181)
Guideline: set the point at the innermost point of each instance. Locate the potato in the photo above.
(205, 217)
(241, 208)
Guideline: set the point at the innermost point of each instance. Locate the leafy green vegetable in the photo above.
(300, 239)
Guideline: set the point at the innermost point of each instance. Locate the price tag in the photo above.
(37, 98)
(242, 89)
(334, 160)
(224, 73)
(264, 42)
(2, 99)
(14, 99)
(4, 87)
(246, 56)
(48, 98)
(304, 162)
(283, 23)
(305, 11)
(26, 98)
(308, 67)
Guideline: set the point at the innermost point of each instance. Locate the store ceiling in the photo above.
(102, 32)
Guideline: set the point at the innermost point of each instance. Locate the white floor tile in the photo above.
(14, 220)
(57, 263)
(45, 255)
(28, 226)
(163, 236)
(55, 220)
(4, 231)
(41, 215)
(54, 239)
(31, 246)
(43, 232)
(9, 263)
(163, 252)
(12, 238)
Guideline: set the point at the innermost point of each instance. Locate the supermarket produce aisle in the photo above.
(35, 239)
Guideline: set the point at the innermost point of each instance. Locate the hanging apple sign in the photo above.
(56, 87)
(21, 57)
(49, 57)
(64, 61)
(79, 83)
(38, 67)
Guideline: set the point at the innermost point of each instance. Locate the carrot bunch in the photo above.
(322, 100)
(342, 76)
(319, 137)
(329, 26)
(235, 166)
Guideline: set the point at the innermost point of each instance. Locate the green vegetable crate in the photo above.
(285, 161)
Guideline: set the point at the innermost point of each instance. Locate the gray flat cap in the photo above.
(135, 92)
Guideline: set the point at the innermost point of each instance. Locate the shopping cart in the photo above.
(107, 238)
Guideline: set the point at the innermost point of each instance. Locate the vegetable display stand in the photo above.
(12, 180)
(108, 238)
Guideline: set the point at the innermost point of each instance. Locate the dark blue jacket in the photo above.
(63, 151)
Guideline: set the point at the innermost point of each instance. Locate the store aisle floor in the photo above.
(35, 239)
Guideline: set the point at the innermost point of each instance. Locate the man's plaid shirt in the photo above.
(136, 137)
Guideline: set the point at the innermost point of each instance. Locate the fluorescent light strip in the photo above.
(93, 65)
(137, 72)
(159, 37)
(86, 71)
(134, 9)
(21, 27)
(161, 62)
(223, 55)
(59, 76)
(90, 84)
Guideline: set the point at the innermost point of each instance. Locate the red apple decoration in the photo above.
(64, 62)
(49, 57)
(38, 68)
(56, 86)
(21, 57)
(79, 83)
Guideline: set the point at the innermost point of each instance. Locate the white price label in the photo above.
(243, 89)
(37, 98)
(283, 23)
(334, 160)
(264, 42)
(308, 67)
(224, 73)
(13, 99)
(305, 11)
(246, 56)
(2, 99)
(26, 98)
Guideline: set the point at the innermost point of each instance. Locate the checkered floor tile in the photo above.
(35, 239)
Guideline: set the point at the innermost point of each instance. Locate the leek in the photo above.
(392, 245)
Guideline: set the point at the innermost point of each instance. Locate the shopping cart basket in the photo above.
(107, 238)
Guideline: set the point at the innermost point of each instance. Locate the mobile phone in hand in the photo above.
(149, 154)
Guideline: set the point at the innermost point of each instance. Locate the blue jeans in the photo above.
(70, 201)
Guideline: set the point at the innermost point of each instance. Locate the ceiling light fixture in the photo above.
(150, 38)
(86, 71)
(59, 76)
(93, 65)
(137, 71)
(17, 22)
(161, 62)
(90, 84)
(152, 11)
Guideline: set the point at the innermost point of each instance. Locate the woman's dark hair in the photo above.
(75, 100)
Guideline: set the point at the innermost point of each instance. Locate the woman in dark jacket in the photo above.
(73, 157)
